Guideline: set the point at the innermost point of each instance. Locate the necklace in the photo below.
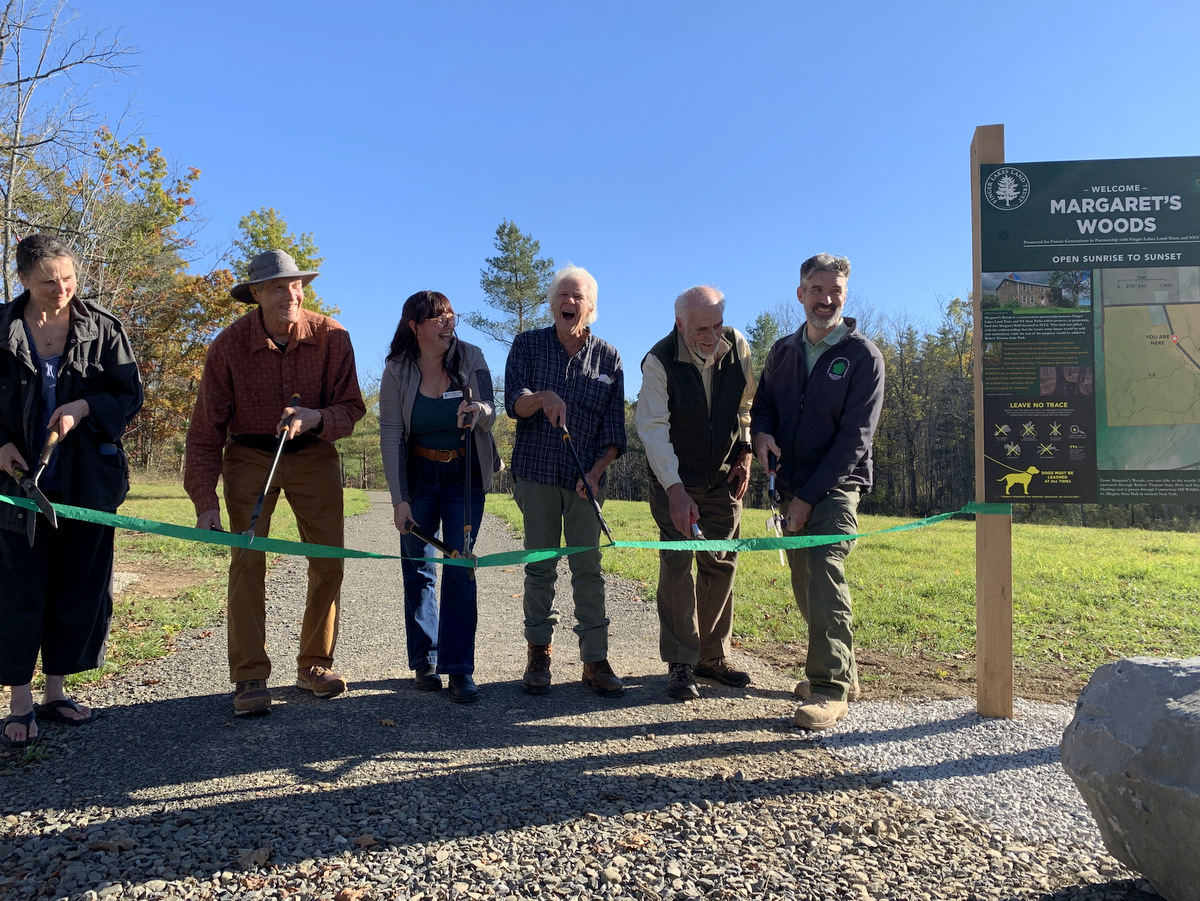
(43, 328)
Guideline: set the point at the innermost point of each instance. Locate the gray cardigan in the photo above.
(398, 392)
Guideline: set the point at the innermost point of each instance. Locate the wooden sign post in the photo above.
(993, 531)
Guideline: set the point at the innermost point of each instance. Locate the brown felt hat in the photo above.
(266, 266)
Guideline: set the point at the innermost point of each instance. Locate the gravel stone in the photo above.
(390, 794)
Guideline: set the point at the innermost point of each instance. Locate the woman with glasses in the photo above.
(435, 396)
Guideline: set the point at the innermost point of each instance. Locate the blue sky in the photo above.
(659, 145)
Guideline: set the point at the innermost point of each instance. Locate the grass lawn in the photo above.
(1082, 597)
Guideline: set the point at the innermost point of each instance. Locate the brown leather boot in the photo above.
(536, 680)
(601, 679)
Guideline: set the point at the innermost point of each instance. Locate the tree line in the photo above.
(924, 446)
(131, 217)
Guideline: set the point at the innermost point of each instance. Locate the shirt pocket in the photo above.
(594, 395)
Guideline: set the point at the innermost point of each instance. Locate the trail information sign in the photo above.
(1091, 330)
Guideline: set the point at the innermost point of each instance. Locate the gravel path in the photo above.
(390, 793)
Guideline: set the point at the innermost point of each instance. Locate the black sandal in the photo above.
(52, 713)
(23, 719)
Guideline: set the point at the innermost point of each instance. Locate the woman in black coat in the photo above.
(65, 366)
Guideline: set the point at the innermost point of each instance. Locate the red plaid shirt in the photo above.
(247, 382)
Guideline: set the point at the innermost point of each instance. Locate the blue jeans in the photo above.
(442, 638)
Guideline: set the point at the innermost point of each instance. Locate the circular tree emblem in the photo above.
(1006, 188)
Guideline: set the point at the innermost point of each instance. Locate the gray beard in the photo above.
(824, 323)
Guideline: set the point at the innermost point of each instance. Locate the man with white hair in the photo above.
(693, 415)
(558, 379)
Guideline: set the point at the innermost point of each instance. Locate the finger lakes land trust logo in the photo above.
(1006, 188)
(838, 368)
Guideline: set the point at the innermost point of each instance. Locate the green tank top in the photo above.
(434, 422)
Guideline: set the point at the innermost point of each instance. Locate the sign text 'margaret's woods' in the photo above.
(1106, 204)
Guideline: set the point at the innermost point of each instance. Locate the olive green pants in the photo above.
(550, 513)
(819, 584)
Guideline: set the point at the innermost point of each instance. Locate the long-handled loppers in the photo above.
(587, 487)
(775, 521)
(262, 495)
(29, 484)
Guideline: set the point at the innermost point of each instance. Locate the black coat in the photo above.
(97, 366)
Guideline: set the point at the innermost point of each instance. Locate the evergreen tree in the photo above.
(762, 337)
(514, 283)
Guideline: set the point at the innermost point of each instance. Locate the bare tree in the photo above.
(46, 134)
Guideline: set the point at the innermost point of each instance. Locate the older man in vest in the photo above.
(693, 415)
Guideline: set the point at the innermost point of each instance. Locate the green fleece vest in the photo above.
(703, 438)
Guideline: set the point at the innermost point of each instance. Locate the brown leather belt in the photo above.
(441, 456)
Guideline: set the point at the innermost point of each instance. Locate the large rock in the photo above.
(1133, 750)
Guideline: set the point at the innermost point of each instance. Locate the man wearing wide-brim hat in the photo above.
(243, 410)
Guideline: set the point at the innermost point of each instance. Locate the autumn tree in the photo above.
(129, 218)
(514, 283)
(264, 230)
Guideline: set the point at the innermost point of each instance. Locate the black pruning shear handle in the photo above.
(29, 484)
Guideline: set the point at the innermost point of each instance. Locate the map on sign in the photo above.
(1149, 343)
(1151, 346)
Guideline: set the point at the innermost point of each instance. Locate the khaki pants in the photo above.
(312, 481)
(819, 584)
(695, 613)
(550, 512)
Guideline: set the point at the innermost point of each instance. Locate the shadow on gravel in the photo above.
(1124, 889)
(315, 777)
(921, 733)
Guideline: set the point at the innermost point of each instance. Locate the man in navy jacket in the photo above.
(816, 409)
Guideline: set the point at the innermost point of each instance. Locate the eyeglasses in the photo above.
(451, 319)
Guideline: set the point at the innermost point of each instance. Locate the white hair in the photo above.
(570, 270)
(694, 297)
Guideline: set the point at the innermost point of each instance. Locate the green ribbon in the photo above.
(507, 558)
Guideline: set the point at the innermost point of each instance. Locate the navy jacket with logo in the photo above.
(825, 423)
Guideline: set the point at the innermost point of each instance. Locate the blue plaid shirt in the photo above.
(591, 383)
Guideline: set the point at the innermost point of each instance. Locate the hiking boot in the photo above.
(463, 689)
(803, 691)
(820, 712)
(681, 682)
(718, 668)
(251, 698)
(601, 679)
(536, 680)
(427, 679)
(322, 682)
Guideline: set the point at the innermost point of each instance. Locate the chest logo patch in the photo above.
(838, 369)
